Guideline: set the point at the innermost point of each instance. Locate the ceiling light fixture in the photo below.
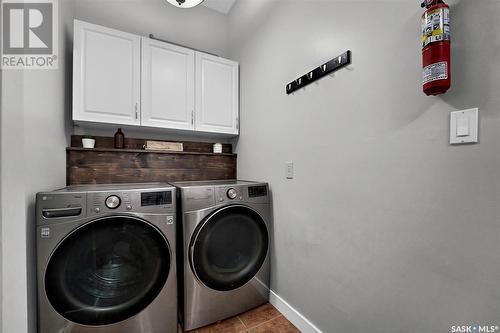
(185, 3)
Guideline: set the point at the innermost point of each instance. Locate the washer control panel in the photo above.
(126, 201)
(92, 201)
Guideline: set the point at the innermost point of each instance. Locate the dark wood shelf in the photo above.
(107, 165)
(134, 144)
(143, 151)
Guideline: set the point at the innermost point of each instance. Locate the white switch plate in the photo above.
(289, 170)
(464, 126)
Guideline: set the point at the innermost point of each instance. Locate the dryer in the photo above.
(106, 259)
(224, 249)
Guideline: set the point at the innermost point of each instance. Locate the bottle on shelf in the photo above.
(119, 139)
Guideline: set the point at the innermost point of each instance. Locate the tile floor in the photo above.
(264, 319)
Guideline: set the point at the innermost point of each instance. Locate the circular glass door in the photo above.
(107, 271)
(229, 247)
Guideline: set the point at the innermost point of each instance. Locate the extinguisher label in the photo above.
(435, 26)
(435, 72)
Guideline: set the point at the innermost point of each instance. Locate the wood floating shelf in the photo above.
(143, 151)
(107, 165)
(138, 144)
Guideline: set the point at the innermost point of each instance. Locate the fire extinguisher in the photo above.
(436, 47)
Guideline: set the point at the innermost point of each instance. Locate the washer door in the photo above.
(107, 270)
(229, 247)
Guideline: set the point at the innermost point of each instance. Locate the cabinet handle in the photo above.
(192, 117)
(136, 111)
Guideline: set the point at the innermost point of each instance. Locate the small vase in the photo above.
(218, 148)
(88, 143)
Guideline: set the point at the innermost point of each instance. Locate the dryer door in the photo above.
(107, 270)
(229, 247)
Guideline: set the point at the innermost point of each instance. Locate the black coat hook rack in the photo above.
(331, 66)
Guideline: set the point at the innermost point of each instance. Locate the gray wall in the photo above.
(198, 27)
(35, 127)
(13, 213)
(33, 137)
(1, 246)
(385, 228)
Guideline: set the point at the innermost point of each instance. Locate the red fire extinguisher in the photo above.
(436, 47)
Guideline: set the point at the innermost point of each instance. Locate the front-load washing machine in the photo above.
(224, 260)
(106, 259)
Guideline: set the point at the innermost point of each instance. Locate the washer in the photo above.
(224, 259)
(106, 259)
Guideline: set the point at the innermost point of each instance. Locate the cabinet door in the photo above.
(167, 91)
(106, 75)
(216, 94)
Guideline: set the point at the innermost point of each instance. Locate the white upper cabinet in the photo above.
(106, 75)
(123, 79)
(167, 85)
(217, 90)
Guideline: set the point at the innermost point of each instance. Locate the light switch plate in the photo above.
(464, 126)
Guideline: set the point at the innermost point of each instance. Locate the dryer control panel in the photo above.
(239, 193)
(228, 193)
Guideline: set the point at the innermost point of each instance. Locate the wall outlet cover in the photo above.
(289, 170)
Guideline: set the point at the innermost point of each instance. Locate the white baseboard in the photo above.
(294, 316)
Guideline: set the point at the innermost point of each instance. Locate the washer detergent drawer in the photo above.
(60, 207)
(51, 213)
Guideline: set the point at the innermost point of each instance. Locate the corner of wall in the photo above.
(1, 239)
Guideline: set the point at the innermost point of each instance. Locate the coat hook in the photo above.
(317, 73)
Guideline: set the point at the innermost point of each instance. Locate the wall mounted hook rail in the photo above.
(331, 66)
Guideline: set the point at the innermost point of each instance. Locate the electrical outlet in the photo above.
(289, 170)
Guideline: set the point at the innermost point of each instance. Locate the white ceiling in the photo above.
(222, 6)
